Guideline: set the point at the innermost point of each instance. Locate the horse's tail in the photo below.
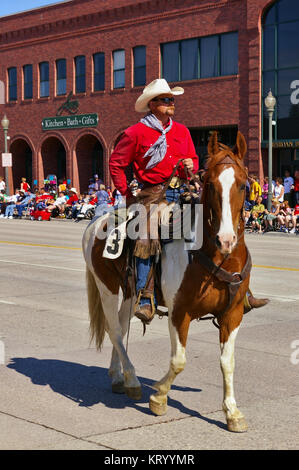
(96, 313)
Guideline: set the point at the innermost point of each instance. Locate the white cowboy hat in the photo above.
(73, 190)
(155, 88)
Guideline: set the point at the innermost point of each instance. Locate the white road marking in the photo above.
(6, 302)
(63, 268)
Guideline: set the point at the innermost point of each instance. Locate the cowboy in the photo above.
(154, 146)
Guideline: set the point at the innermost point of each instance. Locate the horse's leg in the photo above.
(228, 331)
(178, 335)
(115, 372)
(110, 305)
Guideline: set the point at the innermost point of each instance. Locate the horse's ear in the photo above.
(241, 147)
(213, 147)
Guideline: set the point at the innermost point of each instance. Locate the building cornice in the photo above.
(109, 19)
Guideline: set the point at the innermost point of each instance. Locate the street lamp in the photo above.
(5, 124)
(270, 102)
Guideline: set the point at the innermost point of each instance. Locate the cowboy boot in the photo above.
(251, 302)
(146, 311)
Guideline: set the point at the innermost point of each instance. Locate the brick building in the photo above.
(73, 71)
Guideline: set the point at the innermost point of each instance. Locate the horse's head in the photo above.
(224, 190)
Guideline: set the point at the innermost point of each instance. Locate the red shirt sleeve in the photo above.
(191, 154)
(121, 157)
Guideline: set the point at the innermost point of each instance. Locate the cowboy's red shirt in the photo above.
(135, 142)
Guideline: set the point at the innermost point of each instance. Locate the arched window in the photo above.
(281, 68)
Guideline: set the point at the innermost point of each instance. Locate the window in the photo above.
(44, 79)
(281, 68)
(99, 71)
(119, 69)
(209, 57)
(60, 76)
(189, 58)
(229, 54)
(28, 82)
(139, 54)
(12, 84)
(205, 57)
(80, 84)
(171, 61)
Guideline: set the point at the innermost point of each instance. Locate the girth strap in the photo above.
(233, 280)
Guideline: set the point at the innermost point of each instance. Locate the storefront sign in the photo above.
(6, 159)
(284, 145)
(70, 122)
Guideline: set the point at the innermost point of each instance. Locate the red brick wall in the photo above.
(89, 26)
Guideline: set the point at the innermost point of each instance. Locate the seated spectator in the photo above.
(258, 212)
(59, 203)
(19, 196)
(284, 216)
(118, 199)
(42, 199)
(71, 200)
(3, 202)
(247, 211)
(296, 187)
(293, 218)
(269, 217)
(89, 201)
(278, 190)
(24, 203)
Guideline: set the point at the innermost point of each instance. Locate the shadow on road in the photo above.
(90, 385)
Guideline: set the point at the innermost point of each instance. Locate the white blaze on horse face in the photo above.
(226, 234)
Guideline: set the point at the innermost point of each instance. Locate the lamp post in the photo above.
(270, 102)
(5, 124)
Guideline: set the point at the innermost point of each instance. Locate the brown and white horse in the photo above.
(191, 290)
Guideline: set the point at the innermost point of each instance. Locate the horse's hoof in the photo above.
(237, 425)
(157, 407)
(118, 387)
(135, 393)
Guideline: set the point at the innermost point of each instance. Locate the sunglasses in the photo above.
(165, 100)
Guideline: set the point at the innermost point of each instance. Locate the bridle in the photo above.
(232, 280)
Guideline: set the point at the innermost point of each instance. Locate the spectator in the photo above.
(18, 197)
(24, 185)
(265, 189)
(102, 201)
(59, 203)
(89, 201)
(61, 186)
(118, 199)
(23, 204)
(288, 182)
(2, 184)
(247, 211)
(255, 189)
(295, 219)
(90, 186)
(278, 190)
(284, 216)
(42, 199)
(258, 212)
(296, 187)
(269, 217)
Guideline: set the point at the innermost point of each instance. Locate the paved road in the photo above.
(54, 389)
